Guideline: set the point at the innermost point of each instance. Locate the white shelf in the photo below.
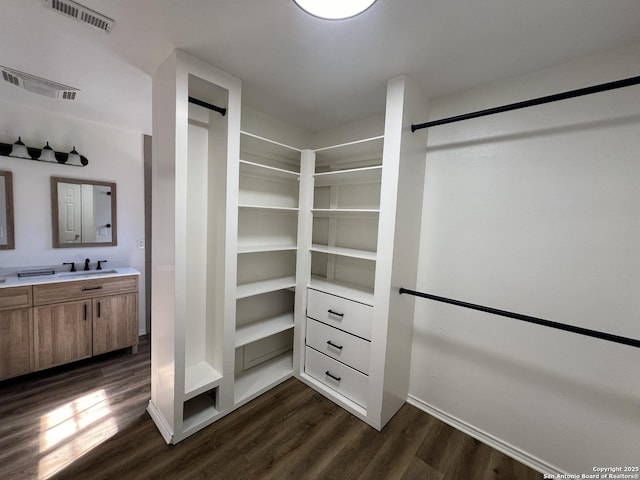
(262, 329)
(198, 411)
(345, 252)
(252, 145)
(261, 378)
(265, 248)
(268, 208)
(344, 290)
(354, 176)
(199, 378)
(265, 286)
(345, 212)
(258, 170)
(368, 150)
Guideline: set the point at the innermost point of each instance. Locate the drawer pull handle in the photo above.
(331, 344)
(99, 310)
(329, 374)
(85, 312)
(85, 289)
(335, 313)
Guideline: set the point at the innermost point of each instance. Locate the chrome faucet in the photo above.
(86, 264)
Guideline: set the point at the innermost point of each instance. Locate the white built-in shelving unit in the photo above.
(269, 191)
(261, 249)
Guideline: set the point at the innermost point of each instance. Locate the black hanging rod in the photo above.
(222, 111)
(526, 318)
(627, 82)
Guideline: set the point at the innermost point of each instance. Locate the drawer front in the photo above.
(352, 317)
(15, 297)
(83, 289)
(337, 376)
(353, 351)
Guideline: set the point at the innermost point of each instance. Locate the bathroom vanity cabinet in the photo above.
(53, 323)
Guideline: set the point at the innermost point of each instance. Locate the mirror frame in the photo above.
(8, 190)
(54, 213)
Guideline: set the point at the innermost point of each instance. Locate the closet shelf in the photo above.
(270, 209)
(364, 150)
(267, 172)
(345, 212)
(350, 291)
(199, 378)
(265, 286)
(198, 411)
(251, 383)
(344, 252)
(265, 248)
(353, 176)
(254, 331)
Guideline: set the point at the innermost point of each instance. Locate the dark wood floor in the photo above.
(88, 421)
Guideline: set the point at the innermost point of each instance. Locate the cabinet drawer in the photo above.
(337, 376)
(352, 317)
(353, 351)
(83, 289)
(15, 297)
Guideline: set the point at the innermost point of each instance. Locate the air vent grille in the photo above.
(38, 85)
(80, 13)
(10, 78)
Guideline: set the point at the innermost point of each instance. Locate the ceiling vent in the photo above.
(38, 85)
(81, 13)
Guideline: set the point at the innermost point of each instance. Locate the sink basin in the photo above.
(86, 273)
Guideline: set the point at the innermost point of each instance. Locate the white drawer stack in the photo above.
(338, 346)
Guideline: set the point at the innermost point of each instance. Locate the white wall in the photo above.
(114, 155)
(536, 212)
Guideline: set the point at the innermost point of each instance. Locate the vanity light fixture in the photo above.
(44, 154)
(334, 9)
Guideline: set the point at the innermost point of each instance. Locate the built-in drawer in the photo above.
(337, 376)
(352, 317)
(347, 348)
(83, 289)
(15, 297)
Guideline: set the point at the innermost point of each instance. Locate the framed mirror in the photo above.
(83, 213)
(6, 211)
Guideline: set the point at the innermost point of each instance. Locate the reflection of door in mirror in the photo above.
(6, 211)
(69, 210)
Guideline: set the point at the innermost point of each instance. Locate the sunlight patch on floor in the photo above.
(70, 431)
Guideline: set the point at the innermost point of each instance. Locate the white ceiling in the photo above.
(309, 72)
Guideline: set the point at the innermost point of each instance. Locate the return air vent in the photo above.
(38, 85)
(80, 13)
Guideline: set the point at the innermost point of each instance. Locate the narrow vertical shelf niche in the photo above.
(269, 190)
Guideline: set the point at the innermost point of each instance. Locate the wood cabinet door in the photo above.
(115, 322)
(62, 333)
(16, 342)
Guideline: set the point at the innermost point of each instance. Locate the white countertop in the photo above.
(12, 280)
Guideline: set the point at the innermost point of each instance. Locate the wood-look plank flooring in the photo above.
(88, 421)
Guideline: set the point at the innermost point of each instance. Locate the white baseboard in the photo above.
(486, 438)
(161, 423)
